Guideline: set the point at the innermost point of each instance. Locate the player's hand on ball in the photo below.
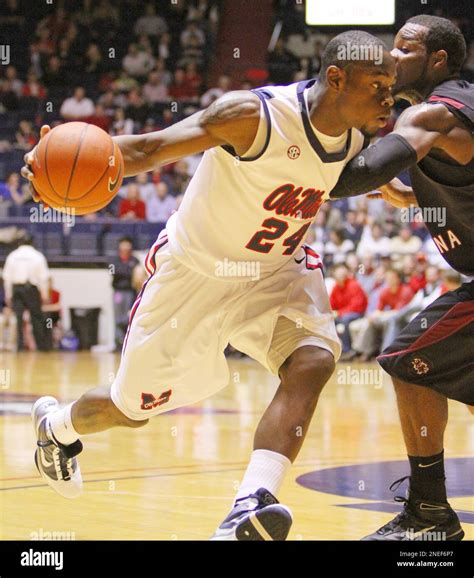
(395, 193)
(26, 171)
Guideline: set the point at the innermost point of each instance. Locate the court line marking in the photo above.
(309, 463)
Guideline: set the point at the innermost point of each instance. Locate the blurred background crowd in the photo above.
(135, 67)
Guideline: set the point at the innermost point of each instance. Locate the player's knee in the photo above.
(309, 367)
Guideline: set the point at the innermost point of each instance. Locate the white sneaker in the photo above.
(55, 462)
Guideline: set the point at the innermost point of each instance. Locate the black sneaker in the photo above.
(258, 517)
(420, 520)
(55, 462)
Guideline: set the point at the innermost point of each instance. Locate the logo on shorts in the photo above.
(294, 152)
(420, 366)
(149, 401)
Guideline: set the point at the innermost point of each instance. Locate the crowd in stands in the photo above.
(130, 68)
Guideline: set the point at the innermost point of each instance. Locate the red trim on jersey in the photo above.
(151, 269)
(452, 321)
(447, 100)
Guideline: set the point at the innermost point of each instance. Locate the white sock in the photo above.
(266, 470)
(61, 425)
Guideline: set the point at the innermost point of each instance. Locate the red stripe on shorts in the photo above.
(452, 321)
(447, 100)
(151, 269)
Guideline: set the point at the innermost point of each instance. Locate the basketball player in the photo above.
(432, 359)
(231, 267)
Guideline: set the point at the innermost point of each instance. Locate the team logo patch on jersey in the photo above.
(420, 365)
(149, 401)
(294, 152)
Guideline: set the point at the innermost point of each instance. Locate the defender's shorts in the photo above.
(436, 349)
(182, 322)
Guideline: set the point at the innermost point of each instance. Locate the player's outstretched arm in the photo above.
(419, 129)
(232, 119)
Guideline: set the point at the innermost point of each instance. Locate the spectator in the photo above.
(451, 280)
(164, 48)
(352, 229)
(337, 247)
(107, 100)
(137, 109)
(33, 87)
(124, 266)
(13, 191)
(161, 206)
(420, 301)
(45, 45)
(132, 207)
(8, 98)
(26, 282)
(147, 189)
(25, 137)
(150, 23)
(55, 25)
(181, 176)
(155, 90)
(405, 243)
(94, 62)
(16, 84)
(181, 88)
(348, 302)
(120, 124)
(192, 47)
(373, 242)
(99, 118)
(374, 327)
(77, 107)
(53, 76)
(137, 63)
(165, 75)
(224, 83)
(190, 33)
(193, 77)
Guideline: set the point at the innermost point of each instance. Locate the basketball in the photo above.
(77, 168)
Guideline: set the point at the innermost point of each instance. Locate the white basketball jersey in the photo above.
(259, 209)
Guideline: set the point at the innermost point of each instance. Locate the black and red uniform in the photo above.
(436, 349)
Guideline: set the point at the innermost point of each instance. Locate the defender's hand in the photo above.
(26, 170)
(397, 194)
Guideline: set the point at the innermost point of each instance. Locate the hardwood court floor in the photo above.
(175, 478)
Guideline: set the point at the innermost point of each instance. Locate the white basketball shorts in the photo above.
(182, 322)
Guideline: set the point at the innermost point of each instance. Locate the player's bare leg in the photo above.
(285, 423)
(58, 432)
(423, 416)
(257, 515)
(95, 412)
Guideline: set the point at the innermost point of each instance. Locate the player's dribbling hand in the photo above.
(26, 171)
(396, 193)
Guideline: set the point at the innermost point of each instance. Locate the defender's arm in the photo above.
(419, 129)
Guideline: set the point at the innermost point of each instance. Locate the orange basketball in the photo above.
(77, 168)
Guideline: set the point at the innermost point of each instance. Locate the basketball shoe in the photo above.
(420, 520)
(55, 462)
(257, 517)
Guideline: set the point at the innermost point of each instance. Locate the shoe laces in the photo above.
(401, 499)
